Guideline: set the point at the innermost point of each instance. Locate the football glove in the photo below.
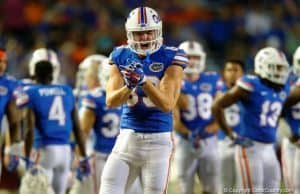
(15, 149)
(14, 152)
(133, 74)
(242, 141)
(13, 163)
(84, 169)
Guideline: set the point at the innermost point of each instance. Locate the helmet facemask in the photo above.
(144, 47)
(272, 65)
(277, 73)
(144, 21)
(195, 65)
(196, 55)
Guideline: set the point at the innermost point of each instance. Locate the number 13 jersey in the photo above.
(262, 109)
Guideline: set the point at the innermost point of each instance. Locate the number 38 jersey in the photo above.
(52, 106)
(200, 94)
(140, 113)
(262, 109)
(107, 122)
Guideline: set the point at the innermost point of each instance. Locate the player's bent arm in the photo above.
(178, 125)
(77, 132)
(292, 99)
(87, 119)
(221, 102)
(117, 92)
(214, 127)
(165, 97)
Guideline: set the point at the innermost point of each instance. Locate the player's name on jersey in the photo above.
(51, 92)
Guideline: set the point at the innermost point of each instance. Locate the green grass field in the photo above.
(173, 187)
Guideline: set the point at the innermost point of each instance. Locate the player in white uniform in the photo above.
(196, 146)
(145, 79)
(262, 97)
(232, 71)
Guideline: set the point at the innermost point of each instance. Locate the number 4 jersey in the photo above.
(52, 106)
(262, 109)
(139, 113)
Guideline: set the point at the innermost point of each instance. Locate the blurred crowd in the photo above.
(77, 28)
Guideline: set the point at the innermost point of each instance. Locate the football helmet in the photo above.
(35, 181)
(83, 67)
(144, 19)
(296, 62)
(44, 54)
(103, 72)
(195, 49)
(271, 64)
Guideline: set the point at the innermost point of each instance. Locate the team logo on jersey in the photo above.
(282, 95)
(3, 90)
(156, 67)
(206, 87)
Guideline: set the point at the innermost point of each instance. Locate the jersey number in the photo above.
(112, 120)
(134, 97)
(232, 115)
(270, 113)
(199, 106)
(296, 111)
(57, 111)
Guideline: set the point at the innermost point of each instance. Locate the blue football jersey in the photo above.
(52, 106)
(292, 116)
(233, 116)
(262, 109)
(107, 124)
(140, 113)
(7, 87)
(201, 94)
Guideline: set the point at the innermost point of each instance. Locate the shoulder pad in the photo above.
(117, 51)
(247, 82)
(10, 77)
(97, 92)
(172, 48)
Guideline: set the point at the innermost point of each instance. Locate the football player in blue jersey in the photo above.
(52, 116)
(145, 79)
(233, 69)
(8, 107)
(262, 97)
(290, 152)
(38, 55)
(196, 144)
(83, 81)
(94, 115)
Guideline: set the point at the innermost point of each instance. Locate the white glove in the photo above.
(16, 149)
